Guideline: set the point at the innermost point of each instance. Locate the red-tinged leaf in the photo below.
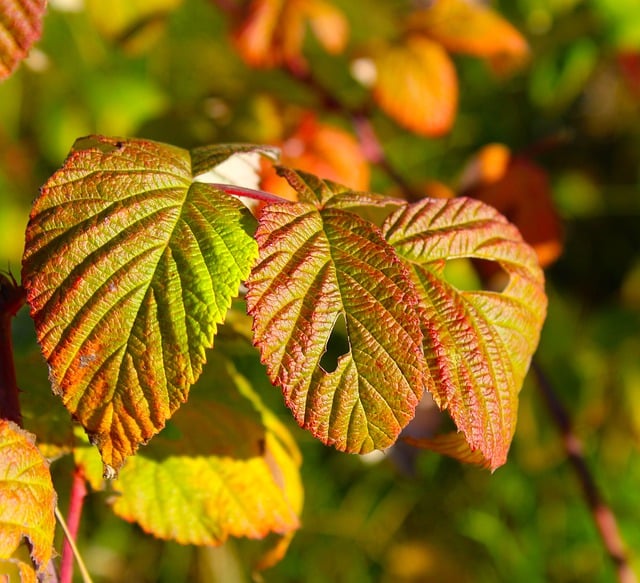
(326, 151)
(273, 32)
(27, 495)
(225, 467)
(453, 445)
(130, 264)
(416, 85)
(478, 344)
(321, 265)
(470, 27)
(20, 27)
(519, 189)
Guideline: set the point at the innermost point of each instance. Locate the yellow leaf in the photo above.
(417, 86)
(28, 498)
(470, 27)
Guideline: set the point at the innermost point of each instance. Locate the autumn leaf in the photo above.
(478, 344)
(453, 445)
(28, 500)
(273, 32)
(471, 27)
(130, 264)
(20, 27)
(224, 467)
(321, 265)
(416, 85)
(519, 189)
(320, 149)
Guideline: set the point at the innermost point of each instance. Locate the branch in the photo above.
(12, 297)
(603, 517)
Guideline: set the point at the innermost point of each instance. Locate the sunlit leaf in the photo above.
(416, 85)
(519, 189)
(28, 498)
(471, 27)
(273, 32)
(478, 344)
(20, 27)
(129, 266)
(321, 149)
(322, 266)
(224, 467)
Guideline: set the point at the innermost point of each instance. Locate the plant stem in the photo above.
(11, 299)
(76, 503)
(603, 516)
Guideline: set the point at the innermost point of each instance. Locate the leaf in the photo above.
(321, 149)
(224, 467)
(20, 27)
(320, 264)
(274, 30)
(470, 27)
(129, 266)
(478, 344)
(453, 445)
(28, 498)
(416, 85)
(518, 188)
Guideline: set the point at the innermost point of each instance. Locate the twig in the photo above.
(603, 517)
(11, 299)
(70, 527)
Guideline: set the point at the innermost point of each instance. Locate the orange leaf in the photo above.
(321, 149)
(273, 32)
(467, 26)
(417, 86)
(27, 495)
(519, 189)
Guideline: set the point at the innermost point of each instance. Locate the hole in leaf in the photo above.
(337, 345)
(476, 275)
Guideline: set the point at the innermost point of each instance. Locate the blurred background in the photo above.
(567, 121)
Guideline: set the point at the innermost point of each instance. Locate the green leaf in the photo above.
(129, 266)
(20, 27)
(478, 344)
(224, 467)
(319, 265)
(28, 498)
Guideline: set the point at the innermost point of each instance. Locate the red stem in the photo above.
(260, 195)
(76, 503)
(603, 517)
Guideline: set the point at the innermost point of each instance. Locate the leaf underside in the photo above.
(129, 267)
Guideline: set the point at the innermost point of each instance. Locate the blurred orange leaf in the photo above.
(273, 32)
(519, 189)
(27, 495)
(20, 27)
(416, 85)
(470, 27)
(321, 149)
